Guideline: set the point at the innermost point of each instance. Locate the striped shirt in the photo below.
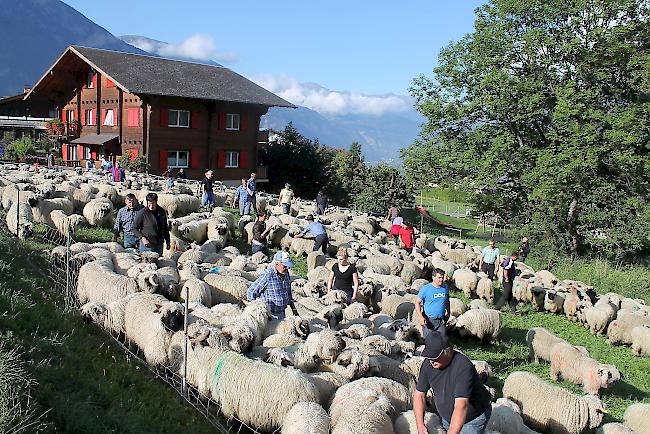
(124, 220)
(272, 287)
(490, 256)
(241, 195)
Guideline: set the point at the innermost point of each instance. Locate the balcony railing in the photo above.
(262, 172)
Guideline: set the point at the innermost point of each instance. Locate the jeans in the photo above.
(474, 426)
(152, 248)
(506, 296)
(258, 248)
(208, 198)
(488, 269)
(321, 243)
(252, 200)
(320, 209)
(435, 326)
(286, 208)
(247, 208)
(242, 208)
(130, 241)
(277, 312)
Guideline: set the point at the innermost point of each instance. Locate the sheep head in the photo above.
(171, 315)
(148, 282)
(596, 410)
(93, 312)
(608, 375)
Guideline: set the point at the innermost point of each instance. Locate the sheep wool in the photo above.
(367, 413)
(540, 341)
(198, 291)
(619, 331)
(506, 418)
(641, 340)
(98, 212)
(306, 418)
(66, 225)
(97, 281)
(485, 289)
(405, 423)
(20, 220)
(227, 289)
(614, 428)
(637, 417)
(550, 408)
(465, 280)
(237, 379)
(569, 363)
(480, 323)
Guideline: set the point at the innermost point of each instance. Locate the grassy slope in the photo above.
(89, 384)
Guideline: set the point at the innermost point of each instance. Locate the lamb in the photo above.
(98, 212)
(237, 379)
(546, 278)
(397, 306)
(306, 418)
(149, 322)
(480, 323)
(547, 408)
(20, 220)
(66, 225)
(326, 344)
(465, 280)
(569, 363)
(485, 289)
(637, 417)
(217, 230)
(405, 423)
(620, 330)
(109, 316)
(195, 231)
(457, 307)
(506, 418)
(540, 341)
(291, 326)
(356, 331)
(641, 340)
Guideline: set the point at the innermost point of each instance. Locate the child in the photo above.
(407, 237)
(396, 228)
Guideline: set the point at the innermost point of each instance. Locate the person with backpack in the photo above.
(509, 273)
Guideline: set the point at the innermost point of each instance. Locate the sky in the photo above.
(354, 48)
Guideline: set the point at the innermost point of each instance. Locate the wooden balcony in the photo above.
(262, 173)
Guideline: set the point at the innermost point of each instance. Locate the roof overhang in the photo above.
(94, 139)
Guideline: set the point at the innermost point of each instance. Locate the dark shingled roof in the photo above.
(140, 74)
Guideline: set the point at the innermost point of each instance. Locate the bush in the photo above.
(133, 164)
(18, 149)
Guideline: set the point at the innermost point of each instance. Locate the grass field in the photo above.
(84, 382)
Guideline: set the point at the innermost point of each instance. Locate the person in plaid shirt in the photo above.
(274, 286)
(124, 221)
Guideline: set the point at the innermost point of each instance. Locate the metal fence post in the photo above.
(187, 303)
(68, 243)
(18, 214)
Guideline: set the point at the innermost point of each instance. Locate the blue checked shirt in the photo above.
(125, 218)
(241, 195)
(490, 256)
(272, 287)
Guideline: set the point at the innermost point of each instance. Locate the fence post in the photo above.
(18, 214)
(68, 243)
(184, 385)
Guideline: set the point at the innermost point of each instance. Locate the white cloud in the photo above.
(330, 102)
(198, 46)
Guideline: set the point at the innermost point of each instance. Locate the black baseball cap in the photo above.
(434, 344)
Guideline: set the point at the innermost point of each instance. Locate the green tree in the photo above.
(381, 187)
(346, 169)
(19, 148)
(543, 111)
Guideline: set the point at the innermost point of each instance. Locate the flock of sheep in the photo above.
(337, 367)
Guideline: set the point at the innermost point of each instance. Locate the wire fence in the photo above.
(56, 256)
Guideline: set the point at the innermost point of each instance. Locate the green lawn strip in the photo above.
(88, 382)
(511, 354)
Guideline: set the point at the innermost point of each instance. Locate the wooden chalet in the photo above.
(178, 114)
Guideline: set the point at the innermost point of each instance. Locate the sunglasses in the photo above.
(435, 359)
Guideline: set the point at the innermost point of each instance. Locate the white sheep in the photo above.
(306, 418)
(405, 423)
(641, 340)
(366, 413)
(506, 418)
(569, 363)
(540, 341)
(149, 322)
(550, 408)
(620, 330)
(637, 417)
(553, 301)
(43, 208)
(195, 231)
(465, 280)
(598, 317)
(227, 289)
(20, 220)
(198, 290)
(98, 281)
(480, 323)
(485, 289)
(614, 428)
(237, 379)
(66, 225)
(98, 212)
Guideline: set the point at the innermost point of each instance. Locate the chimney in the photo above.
(26, 89)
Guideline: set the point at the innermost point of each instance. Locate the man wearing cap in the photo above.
(462, 401)
(318, 231)
(286, 198)
(125, 219)
(274, 286)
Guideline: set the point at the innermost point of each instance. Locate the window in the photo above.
(89, 80)
(232, 121)
(232, 159)
(72, 152)
(133, 117)
(108, 118)
(178, 159)
(87, 153)
(179, 118)
(89, 116)
(69, 116)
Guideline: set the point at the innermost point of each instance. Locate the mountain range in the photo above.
(35, 32)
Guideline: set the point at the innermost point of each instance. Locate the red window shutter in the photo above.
(109, 83)
(132, 154)
(95, 81)
(83, 117)
(164, 117)
(243, 159)
(115, 116)
(64, 117)
(133, 117)
(195, 119)
(194, 159)
(222, 121)
(243, 121)
(80, 152)
(162, 159)
(103, 117)
(64, 151)
(93, 154)
(221, 159)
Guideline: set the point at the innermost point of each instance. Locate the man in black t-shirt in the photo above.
(461, 399)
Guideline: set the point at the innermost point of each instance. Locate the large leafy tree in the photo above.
(544, 112)
(381, 187)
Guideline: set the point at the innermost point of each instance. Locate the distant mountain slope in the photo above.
(35, 32)
(381, 136)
